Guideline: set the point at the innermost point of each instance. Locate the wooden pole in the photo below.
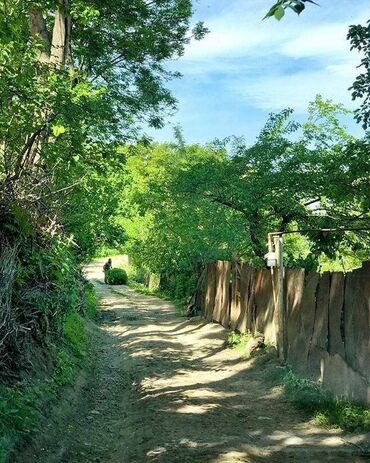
(282, 342)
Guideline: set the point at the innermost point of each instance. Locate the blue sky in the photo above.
(246, 68)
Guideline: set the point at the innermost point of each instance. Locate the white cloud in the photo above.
(275, 92)
(271, 64)
(316, 41)
(246, 67)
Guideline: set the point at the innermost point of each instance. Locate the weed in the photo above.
(236, 340)
(74, 333)
(21, 406)
(64, 367)
(91, 301)
(327, 409)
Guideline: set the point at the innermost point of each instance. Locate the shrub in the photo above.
(117, 276)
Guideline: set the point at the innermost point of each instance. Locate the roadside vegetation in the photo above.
(323, 406)
(317, 403)
(79, 178)
(23, 404)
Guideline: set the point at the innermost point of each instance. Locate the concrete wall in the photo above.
(327, 319)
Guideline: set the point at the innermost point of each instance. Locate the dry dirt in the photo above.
(161, 388)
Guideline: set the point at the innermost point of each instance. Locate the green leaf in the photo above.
(271, 12)
(279, 13)
(58, 129)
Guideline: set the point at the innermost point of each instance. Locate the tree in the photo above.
(311, 181)
(77, 78)
(359, 37)
(184, 205)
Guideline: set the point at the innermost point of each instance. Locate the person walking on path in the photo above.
(107, 266)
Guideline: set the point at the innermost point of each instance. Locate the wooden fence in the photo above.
(327, 318)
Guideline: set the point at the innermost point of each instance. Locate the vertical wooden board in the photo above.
(235, 294)
(264, 302)
(210, 291)
(216, 315)
(220, 313)
(251, 308)
(257, 311)
(341, 379)
(274, 295)
(201, 291)
(319, 338)
(336, 301)
(300, 342)
(225, 302)
(246, 276)
(295, 288)
(357, 321)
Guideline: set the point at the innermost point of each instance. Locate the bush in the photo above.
(117, 276)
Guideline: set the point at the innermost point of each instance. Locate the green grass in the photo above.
(318, 403)
(22, 405)
(20, 412)
(236, 340)
(75, 333)
(323, 406)
(91, 301)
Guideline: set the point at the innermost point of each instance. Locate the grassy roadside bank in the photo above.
(24, 405)
(318, 404)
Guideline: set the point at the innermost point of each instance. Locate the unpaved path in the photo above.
(163, 389)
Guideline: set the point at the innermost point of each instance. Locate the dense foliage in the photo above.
(77, 79)
(184, 205)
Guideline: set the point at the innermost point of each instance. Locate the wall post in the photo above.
(280, 300)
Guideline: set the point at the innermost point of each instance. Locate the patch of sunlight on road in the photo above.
(209, 394)
(196, 409)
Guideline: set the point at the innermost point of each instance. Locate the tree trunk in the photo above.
(60, 46)
(39, 30)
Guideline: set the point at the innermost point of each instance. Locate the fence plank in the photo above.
(222, 301)
(210, 291)
(320, 331)
(246, 298)
(235, 306)
(295, 293)
(264, 306)
(336, 300)
(300, 343)
(357, 321)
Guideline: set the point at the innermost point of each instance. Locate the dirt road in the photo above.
(164, 389)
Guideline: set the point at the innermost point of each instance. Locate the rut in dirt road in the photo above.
(164, 389)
